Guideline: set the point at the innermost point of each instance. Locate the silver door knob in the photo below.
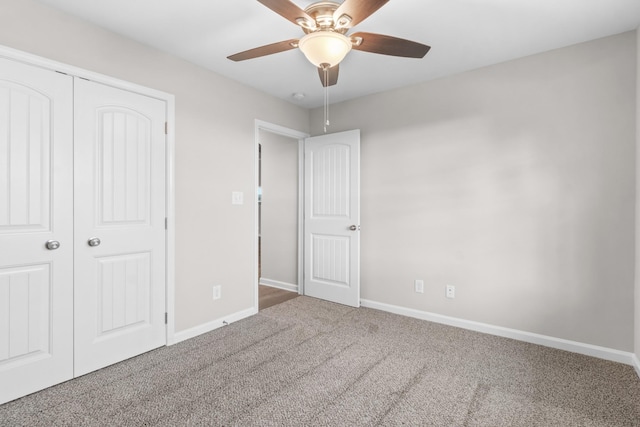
(354, 227)
(52, 245)
(94, 241)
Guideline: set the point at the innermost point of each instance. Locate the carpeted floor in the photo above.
(312, 363)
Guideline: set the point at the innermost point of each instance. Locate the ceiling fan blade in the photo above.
(357, 10)
(289, 10)
(332, 77)
(265, 50)
(387, 45)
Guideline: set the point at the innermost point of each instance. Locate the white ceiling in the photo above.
(463, 35)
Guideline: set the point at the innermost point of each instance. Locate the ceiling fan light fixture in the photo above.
(325, 47)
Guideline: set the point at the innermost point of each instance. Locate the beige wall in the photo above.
(637, 299)
(214, 149)
(279, 231)
(515, 183)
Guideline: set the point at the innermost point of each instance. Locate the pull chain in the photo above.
(325, 68)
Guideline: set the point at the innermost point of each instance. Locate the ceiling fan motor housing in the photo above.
(322, 12)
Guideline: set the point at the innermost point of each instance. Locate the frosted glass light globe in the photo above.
(325, 47)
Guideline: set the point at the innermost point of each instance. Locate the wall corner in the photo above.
(637, 230)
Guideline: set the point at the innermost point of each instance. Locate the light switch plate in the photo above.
(237, 198)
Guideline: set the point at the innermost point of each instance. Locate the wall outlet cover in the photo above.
(450, 291)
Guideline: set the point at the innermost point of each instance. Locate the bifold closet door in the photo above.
(82, 235)
(36, 229)
(119, 225)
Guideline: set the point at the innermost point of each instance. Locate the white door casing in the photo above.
(36, 199)
(120, 200)
(332, 217)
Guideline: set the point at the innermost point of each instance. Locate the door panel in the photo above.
(36, 284)
(123, 289)
(330, 259)
(24, 297)
(120, 283)
(332, 207)
(25, 138)
(124, 159)
(330, 172)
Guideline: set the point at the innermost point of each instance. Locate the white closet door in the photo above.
(36, 283)
(120, 204)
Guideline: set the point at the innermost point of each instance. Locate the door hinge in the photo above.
(166, 223)
(166, 318)
(166, 128)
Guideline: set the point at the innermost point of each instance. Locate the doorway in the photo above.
(328, 223)
(278, 214)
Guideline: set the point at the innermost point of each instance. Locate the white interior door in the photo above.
(36, 283)
(120, 225)
(332, 217)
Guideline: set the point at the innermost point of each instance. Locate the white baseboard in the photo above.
(636, 363)
(573, 346)
(210, 326)
(280, 285)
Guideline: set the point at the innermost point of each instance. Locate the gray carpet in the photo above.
(308, 362)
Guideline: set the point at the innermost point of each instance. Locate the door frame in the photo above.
(169, 99)
(300, 137)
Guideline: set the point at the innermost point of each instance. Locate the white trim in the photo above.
(171, 223)
(280, 130)
(279, 285)
(300, 136)
(636, 363)
(300, 287)
(211, 326)
(169, 99)
(547, 341)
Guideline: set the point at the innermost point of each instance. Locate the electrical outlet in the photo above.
(418, 285)
(451, 291)
(217, 292)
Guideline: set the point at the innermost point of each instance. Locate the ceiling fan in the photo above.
(326, 42)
